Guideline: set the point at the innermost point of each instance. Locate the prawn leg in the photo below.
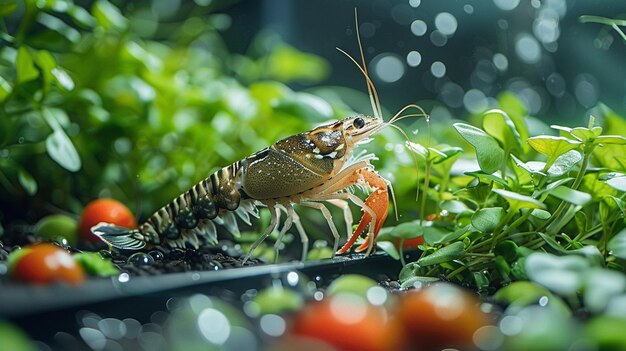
(377, 201)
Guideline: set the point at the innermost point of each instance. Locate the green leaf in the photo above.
(564, 163)
(5, 89)
(485, 177)
(498, 124)
(47, 63)
(449, 153)
(95, 264)
(600, 286)
(108, 16)
(551, 146)
(305, 106)
(524, 293)
(552, 243)
(518, 201)
(506, 249)
(516, 110)
(27, 181)
(606, 332)
(617, 245)
(26, 70)
(590, 252)
(81, 16)
(489, 154)
(610, 139)
(407, 230)
(444, 254)
(617, 183)
(563, 275)
(57, 25)
(481, 280)
(541, 214)
(7, 7)
(287, 64)
(486, 219)
(408, 271)
(570, 195)
(62, 151)
(583, 134)
(436, 236)
(277, 299)
(351, 283)
(13, 338)
(62, 79)
(420, 150)
(454, 206)
(389, 248)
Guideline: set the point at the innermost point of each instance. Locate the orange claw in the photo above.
(378, 201)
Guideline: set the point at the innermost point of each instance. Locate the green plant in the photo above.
(549, 209)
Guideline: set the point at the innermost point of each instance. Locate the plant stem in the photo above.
(425, 191)
(401, 251)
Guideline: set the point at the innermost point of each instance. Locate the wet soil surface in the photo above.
(158, 260)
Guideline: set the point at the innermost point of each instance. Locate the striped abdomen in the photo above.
(194, 213)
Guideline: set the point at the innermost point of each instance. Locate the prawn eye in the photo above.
(359, 123)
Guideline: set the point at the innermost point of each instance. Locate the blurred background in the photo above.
(460, 54)
(139, 100)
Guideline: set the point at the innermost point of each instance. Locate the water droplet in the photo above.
(527, 48)
(157, 255)
(20, 140)
(469, 9)
(438, 39)
(419, 27)
(438, 69)
(414, 59)
(415, 3)
(388, 67)
(555, 84)
(586, 89)
(415, 131)
(475, 101)
(446, 23)
(140, 259)
(273, 325)
(123, 278)
(293, 278)
(500, 61)
(506, 5)
(546, 26)
(452, 94)
(367, 30)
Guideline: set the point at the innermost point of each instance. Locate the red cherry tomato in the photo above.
(46, 263)
(104, 210)
(348, 323)
(410, 243)
(441, 316)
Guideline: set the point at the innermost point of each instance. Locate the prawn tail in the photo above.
(119, 237)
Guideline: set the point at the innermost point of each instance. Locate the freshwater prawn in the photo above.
(310, 169)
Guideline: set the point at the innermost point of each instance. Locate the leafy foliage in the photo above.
(91, 106)
(548, 216)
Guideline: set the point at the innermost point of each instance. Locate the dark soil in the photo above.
(158, 260)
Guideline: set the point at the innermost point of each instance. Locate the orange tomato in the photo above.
(348, 323)
(441, 316)
(104, 210)
(46, 263)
